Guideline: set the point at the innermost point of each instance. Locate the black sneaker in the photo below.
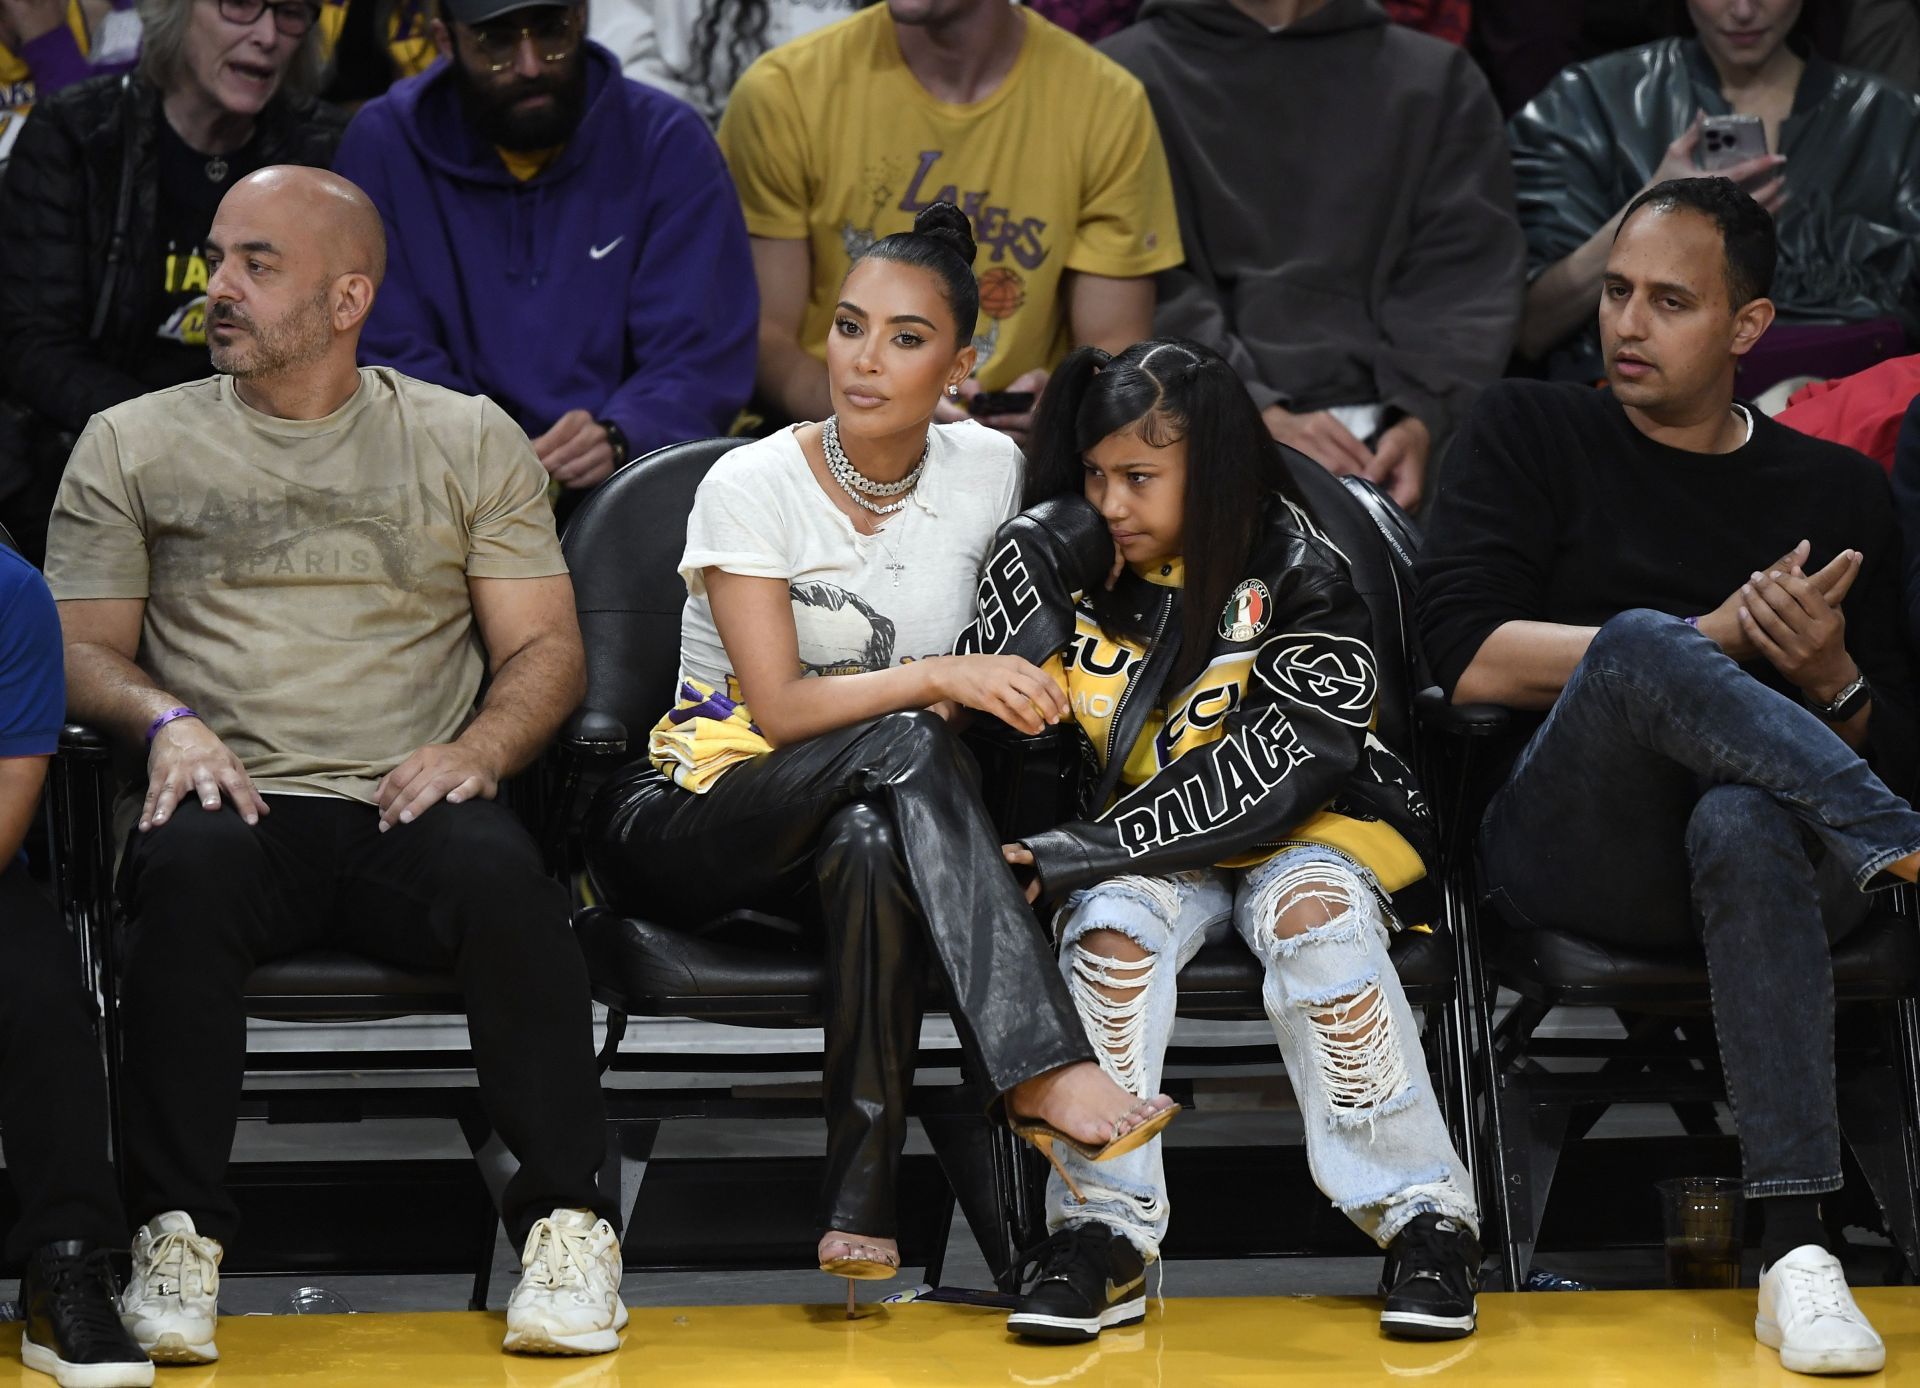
(1432, 1272)
(73, 1321)
(1088, 1279)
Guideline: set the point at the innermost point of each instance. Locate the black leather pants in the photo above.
(877, 832)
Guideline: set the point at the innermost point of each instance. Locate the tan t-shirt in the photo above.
(306, 580)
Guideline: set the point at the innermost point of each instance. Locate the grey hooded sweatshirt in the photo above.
(1345, 200)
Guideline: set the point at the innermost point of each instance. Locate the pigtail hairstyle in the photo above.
(1162, 391)
(1056, 460)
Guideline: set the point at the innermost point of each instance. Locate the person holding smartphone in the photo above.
(1839, 169)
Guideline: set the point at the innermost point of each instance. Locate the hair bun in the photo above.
(947, 224)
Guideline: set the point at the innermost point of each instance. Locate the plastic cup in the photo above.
(313, 1301)
(1704, 1218)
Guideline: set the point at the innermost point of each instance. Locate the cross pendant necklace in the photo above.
(893, 565)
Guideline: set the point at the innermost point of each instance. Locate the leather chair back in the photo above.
(1379, 542)
(624, 546)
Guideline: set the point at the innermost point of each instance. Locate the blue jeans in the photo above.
(1376, 1143)
(1670, 799)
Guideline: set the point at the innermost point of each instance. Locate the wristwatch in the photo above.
(1846, 703)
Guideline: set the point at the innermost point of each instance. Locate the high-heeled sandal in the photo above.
(1045, 1136)
(856, 1268)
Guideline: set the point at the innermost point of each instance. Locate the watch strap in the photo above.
(1846, 704)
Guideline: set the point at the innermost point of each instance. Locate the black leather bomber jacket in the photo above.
(1297, 739)
(79, 205)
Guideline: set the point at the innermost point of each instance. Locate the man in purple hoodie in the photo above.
(562, 239)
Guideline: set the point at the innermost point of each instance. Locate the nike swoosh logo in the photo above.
(602, 252)
(1115, 1293)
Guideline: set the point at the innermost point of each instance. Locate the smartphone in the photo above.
(1729, 140)
(999, 402)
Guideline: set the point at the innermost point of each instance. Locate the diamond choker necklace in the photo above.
(859, 486)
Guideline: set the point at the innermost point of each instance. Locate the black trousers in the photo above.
(877, 832)
(53, 1097)
(208, 897)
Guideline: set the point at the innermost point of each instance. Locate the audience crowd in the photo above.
(322, 316)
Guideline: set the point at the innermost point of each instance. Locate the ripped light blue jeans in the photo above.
(1376, 1143)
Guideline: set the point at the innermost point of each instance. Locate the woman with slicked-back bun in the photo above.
(809, 767)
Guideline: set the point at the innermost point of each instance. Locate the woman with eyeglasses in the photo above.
(108, 195)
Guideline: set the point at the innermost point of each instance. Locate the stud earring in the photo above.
(953, 391)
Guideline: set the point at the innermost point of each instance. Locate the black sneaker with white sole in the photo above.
(73, 1330)
(1430, 1280)
(1087, 1278)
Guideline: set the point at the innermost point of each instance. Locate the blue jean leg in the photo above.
(1169, 918)
(1671, 797)
(1376, 1142)
(1761, 894)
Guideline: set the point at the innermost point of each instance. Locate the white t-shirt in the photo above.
(860, 602)
(653, 39)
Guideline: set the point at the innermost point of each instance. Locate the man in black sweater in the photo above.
(1706, 608)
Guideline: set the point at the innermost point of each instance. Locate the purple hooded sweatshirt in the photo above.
(617, 280)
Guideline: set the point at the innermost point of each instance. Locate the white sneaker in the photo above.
(568, 1300)
(1807, 1313)
(173, 1296)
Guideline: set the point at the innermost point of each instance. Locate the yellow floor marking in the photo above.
(1554, 1339)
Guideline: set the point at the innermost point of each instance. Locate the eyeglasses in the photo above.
(291, 17)
(554, 35)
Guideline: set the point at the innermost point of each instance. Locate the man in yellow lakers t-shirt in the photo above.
(838, 138)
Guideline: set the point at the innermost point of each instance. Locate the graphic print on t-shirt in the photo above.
(998, 231)
(186, 292)
(840, 632)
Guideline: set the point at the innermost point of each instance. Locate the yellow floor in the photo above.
(1553, 1339)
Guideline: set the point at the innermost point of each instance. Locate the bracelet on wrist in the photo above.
(616, 440)
(171, 715)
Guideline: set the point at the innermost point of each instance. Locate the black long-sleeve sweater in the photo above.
(1555, 508)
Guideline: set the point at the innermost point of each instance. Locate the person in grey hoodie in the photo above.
(1346, 204)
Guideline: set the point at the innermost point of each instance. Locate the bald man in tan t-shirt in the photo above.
(289, 580)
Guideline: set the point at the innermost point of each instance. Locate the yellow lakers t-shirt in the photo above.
(832, 140)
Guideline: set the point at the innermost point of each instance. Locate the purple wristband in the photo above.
(1693, 622)
(157, 724)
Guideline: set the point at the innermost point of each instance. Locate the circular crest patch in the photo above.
(1247, 612)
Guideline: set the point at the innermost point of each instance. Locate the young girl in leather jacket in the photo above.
(1218, 662)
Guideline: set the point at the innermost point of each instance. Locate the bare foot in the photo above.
(1082, 1101)
(837, 1245)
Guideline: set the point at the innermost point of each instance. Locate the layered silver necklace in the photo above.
(857, 484)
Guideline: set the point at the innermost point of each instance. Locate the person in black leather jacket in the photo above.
(1218, 661)
(105, 201)
(1841, 176)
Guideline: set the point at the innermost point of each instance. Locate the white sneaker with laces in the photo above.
(174, 1294)
(568, 1300)
(1807, 1313)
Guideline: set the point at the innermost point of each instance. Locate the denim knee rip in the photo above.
(1117, 1026)
(1362, 1059)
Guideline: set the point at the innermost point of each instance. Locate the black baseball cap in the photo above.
(480, 11)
